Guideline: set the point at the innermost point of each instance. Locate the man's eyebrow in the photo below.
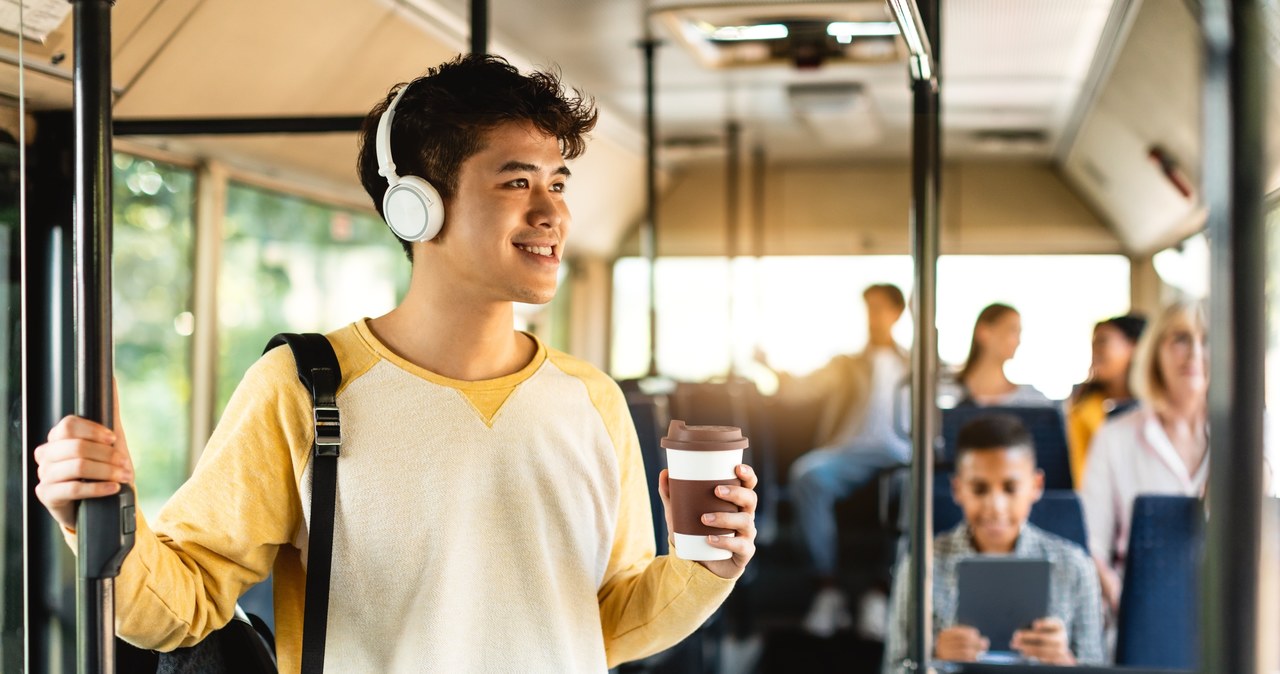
(526, 167)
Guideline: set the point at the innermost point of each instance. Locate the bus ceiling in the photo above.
(1100, 123)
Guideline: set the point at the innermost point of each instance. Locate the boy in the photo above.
(996, 482)
(492, 510)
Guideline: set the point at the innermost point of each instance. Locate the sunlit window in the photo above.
(801, 311)
(294, 265)
(152, 322)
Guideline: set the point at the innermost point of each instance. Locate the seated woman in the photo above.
(1106, 392)
(1161, 447)
(996, 483)
(982, 382)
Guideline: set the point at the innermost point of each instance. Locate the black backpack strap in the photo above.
(320, 373)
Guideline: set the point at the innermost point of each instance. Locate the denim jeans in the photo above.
(820, 478)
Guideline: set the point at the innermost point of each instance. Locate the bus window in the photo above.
(152, 271)
(293, 264)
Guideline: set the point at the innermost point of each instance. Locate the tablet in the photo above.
(1001, 595)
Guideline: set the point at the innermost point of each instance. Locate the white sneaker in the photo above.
(873, 616)
(829, 613)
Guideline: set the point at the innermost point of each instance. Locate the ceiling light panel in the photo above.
(799, 34)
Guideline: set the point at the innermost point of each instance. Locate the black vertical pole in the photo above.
(926, 175)
(105, 525)
(1235, 106)
(479, 26)
(649, 231)
(733, 160)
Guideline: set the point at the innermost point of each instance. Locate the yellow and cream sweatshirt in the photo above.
(489, 526)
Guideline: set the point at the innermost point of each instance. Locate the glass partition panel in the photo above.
(11, 461)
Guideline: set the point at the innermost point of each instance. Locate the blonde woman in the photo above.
(1161, 447)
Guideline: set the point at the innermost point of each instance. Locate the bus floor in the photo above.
(763, 633)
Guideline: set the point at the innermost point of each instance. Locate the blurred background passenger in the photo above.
(1161, 447)
(996, 483)
(982, 381)
(855, 440)
(1106, 392)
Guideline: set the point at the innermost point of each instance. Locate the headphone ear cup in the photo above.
(413, 209)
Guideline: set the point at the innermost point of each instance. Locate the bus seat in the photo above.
(1158, 606)
(1047, 431)
(649, 416)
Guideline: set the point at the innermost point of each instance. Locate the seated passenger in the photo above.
(1106, 392)
(996, 483)
(982, 382)
(856, 440)
(1161, 447)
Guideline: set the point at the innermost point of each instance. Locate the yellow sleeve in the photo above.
(1084, 416)
(219, 533)
(647, 604)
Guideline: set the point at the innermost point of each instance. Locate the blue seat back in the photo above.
(650, 419)
(1159, 610)
(1045, 425)
(1058, 512)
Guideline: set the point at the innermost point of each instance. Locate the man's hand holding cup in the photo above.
(709, 497)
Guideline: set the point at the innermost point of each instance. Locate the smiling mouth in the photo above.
(544, 251)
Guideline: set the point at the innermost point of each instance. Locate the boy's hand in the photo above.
(1046, 641)
(80, 450)
(743, 543)
(960, 643)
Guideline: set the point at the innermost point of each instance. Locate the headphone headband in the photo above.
(382, 141)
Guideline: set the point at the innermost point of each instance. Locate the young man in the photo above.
(856, 440)
(996, 482)
(492, 508)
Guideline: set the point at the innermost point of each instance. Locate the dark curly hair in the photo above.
(443, 118)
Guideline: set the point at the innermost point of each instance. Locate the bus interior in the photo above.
(734, 202)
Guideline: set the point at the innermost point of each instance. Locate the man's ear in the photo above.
(1038, 482)
(955, 488)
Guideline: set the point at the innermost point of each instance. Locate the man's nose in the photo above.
(546, 212)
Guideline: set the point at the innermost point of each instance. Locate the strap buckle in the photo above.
(328, 430)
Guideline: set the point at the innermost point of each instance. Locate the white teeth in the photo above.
(545, 251)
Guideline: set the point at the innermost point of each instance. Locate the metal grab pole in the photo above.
(649, 231)
(479, 26)
(733, 161)
(1235, 107)
(920, 30)
(104, 525)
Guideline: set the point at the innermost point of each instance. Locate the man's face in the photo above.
(505, 226)
(882, 313)
(996, 489)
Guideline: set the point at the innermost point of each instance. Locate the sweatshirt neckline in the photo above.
(504, 382)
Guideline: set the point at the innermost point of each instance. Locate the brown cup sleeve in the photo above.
(691, 499)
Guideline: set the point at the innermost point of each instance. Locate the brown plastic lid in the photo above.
(703, 438)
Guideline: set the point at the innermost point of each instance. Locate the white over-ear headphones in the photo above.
(411, 206)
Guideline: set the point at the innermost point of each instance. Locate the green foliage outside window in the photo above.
(291, 264)
(154, 233)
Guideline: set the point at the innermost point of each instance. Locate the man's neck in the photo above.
(877, 341)
(455, 337)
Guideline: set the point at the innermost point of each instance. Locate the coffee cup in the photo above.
(699, 459)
